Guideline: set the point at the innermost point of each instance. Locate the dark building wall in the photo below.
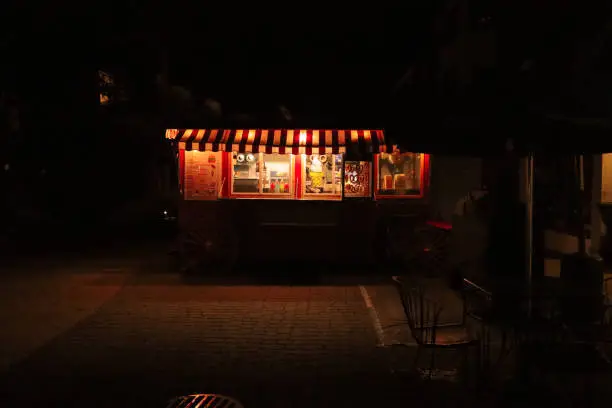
(452, 178)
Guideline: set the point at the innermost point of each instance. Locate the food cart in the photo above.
(281, 195)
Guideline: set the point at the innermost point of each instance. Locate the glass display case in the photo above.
(399, 174)
(261, 173)
(276, 173)
(246, 173)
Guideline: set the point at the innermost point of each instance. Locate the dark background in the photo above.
(330, 65)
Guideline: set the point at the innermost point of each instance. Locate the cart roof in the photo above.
(296, 141)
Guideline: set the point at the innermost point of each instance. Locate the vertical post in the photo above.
(596, 194)
(529, 163)
(581, 167)
(579, 171)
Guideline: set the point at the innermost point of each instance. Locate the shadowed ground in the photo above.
(106, 333)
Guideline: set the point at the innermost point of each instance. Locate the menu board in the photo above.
(356, 179)
(202, 171)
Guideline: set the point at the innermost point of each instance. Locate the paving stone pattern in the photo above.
(35, 308)
(265, 345)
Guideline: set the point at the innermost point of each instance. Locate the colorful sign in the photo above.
(201, 175)
(356, 179)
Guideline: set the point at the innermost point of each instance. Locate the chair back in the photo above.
(477, 301)
(423, 315)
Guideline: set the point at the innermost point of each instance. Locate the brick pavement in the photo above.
(265, 345)
(37, 307)
(107, 336)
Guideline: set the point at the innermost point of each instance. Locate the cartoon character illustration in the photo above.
(316, 172)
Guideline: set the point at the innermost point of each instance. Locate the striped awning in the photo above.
(299, 141)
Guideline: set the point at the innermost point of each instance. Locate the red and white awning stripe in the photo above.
(298, 141)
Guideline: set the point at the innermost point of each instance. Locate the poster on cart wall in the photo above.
(202, 170)
(356, 179)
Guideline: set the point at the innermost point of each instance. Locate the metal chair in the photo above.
(423, 315)
(478, 307)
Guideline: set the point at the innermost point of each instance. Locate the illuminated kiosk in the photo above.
(283, 194)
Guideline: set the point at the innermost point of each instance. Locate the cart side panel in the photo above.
(201, 216)
(325, 233)
(358, 240)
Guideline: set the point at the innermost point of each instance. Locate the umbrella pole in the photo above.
(529, 164)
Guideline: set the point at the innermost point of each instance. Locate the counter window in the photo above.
(322, 174)
(259, 173)
(246, 173)
(276, 173)
(399, 173)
